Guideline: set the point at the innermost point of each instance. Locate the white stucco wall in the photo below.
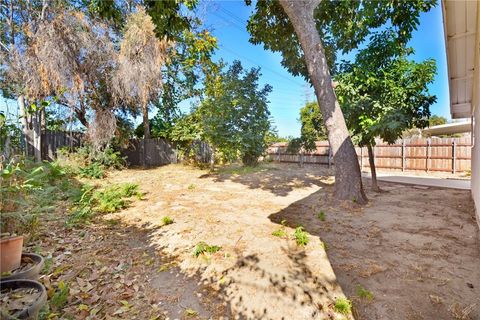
(476, 163)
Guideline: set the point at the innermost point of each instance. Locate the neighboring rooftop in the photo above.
(449, 128)
(460, 24)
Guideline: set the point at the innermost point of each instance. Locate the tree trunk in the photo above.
(37, 136)
(146, 124)
(26, 131)
(373, 171)
(348, 179)
(212, 159)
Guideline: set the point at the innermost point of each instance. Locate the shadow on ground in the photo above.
(266, 177)
(417, 250)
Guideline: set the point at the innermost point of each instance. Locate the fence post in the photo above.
(454, 156)
(428, 154)
(142, 154)
(403, 155)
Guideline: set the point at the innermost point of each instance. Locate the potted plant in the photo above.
(21, 299)
(10, 252)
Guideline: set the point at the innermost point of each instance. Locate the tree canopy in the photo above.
(436, 120)
(382, 93)
(235, 114)
(342, 26)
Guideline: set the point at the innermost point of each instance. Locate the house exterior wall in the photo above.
(476, 162)
(475, 178)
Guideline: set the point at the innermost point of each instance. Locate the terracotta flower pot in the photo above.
(10, 253)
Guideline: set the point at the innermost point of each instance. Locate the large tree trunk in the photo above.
(146, 123)
(348, 180)
(373, 170)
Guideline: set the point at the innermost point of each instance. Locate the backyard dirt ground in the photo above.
(415, 249)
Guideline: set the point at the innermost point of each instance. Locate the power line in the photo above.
(231, 14)
(263, 67)
(242, 29)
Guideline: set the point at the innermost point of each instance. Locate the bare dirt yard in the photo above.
(411, 253)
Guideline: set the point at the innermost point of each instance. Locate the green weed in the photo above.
(47, 265)
(203, 247)
(280, 232)
(190, 312)
(364, 293)
(301, 236)
(191, 187)
(115, 197)
(321, 216)
(60, 297)
(343, 306)
(108, 200)
(167, 220)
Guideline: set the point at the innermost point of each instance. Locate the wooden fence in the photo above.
(425, 154)
(150, 152)
(53, 140)
(157, 152)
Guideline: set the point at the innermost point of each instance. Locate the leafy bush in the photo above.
(108, 200)
(93, 171)
(27, 190)
(85, 160)
(115, 197)
(110, 159)
(203, 247)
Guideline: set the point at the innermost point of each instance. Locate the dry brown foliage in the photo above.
(138, 77)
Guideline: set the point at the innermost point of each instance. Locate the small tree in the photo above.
(312, 130)
(383, 94)
(138, 78)
(235, 115)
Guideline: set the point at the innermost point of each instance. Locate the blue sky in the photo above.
(227, 20)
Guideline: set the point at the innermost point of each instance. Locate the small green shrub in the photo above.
(301, 236)
(110, 159)
(321, 216)
(343, 306)
(115, 197)
(280, 232)
(191, 187)
(364, 293)
(60, 297)
(167, 220)
(203, 247)
(93, 171)
(108, 200)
